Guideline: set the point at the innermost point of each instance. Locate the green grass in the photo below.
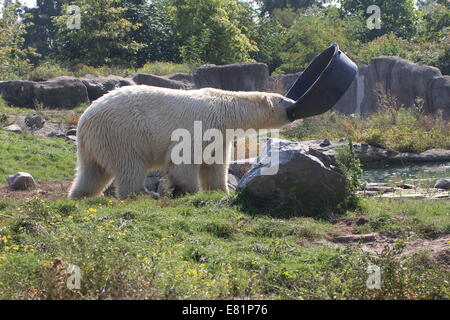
(403, 130)
(51, 70)
(46, 159)
(423, 217)
(197, 247)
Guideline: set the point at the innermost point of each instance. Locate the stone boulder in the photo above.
(18, 93)
(21, 181)
(310, 185)
(234, 77)
(13, 128)
(152, 80)
(62, 92)
(443, 184)
(282, 83)
(35, 122)
(99, 86)
(439, 96)
(186, 78)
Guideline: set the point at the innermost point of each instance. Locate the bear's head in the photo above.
(276, 107)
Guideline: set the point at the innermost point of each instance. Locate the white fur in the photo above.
(127, 132)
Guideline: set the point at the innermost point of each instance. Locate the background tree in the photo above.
(212, 31)
(41, 31)
(397, 16)
(311, 33)
(156, 30)
(14, 56)
(269, 36)
(271, 5)
(103, 39)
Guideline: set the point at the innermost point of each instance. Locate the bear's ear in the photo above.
(267, 100)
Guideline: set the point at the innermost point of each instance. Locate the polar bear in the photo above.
(127, 132)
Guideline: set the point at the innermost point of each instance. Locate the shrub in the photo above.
(47, 70)
(350, 167)
(163, 68)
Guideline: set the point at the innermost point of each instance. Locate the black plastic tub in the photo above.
(322, 83)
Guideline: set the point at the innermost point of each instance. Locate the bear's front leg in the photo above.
(184, 177)
(214, 177)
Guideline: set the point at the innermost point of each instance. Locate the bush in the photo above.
(163, 68)
(400, 129)
(47, 70)
(350, 168)
(386, 45)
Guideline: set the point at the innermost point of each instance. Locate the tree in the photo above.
(435, 20)
(15, 59)
(271, 5)
(397, 16)
(103, 37)
(311, 33)
(41, 31)
(269, 36)
(212, 31)
(156, 31)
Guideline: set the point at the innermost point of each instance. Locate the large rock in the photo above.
(282, 83)
(18, 93)
(152, 80)
(13, 128)
(439, 96)
(99, 86)
(309, 184)
(443, 184)
(234, 77)
(35, 122)
(404, 80)
(62, 92)
(21, 181)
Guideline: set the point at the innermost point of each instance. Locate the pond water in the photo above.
(422, 174)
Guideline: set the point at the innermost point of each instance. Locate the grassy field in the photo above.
(403, 130)
(47, 159)
(204, 247)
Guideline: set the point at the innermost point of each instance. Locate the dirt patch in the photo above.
(45, 190)
(439, 248)
(347, 225)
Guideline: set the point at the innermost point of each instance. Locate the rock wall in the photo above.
(402, 79)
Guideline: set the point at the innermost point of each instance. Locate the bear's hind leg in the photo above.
(184, 177)
(214, 177)
(130, 180)
(91, 180)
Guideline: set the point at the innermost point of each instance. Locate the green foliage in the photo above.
(15, 59)
(404, 130)
(310, 34)
(350, 167)
(144, 249)
(212, 31)
(103, 37)
(164, 68)
(156, 30)
(41, 32)
(386, 45)
(397, 16)
(46, 159)
(47, 70)
(269, 36)
(434, 22)
(272, 5)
